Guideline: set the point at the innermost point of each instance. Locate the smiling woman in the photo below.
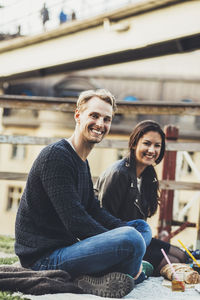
(129, 189)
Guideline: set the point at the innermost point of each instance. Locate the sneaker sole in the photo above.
(112, 285)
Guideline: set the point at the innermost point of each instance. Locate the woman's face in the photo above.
(148, 149)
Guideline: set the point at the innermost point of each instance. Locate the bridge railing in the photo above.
(30, 22)
(107, 143)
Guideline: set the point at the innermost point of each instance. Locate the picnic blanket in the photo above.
(35, 282)
(43, 285)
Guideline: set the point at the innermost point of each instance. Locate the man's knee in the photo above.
(131, 239)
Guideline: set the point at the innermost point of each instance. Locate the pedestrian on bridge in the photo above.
(62, 17)
(44, 15)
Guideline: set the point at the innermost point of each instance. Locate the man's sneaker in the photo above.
(112, 285)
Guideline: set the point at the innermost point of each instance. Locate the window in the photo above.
(14, 196)
(18, 152)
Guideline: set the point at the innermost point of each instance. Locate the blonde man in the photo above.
(60, 224)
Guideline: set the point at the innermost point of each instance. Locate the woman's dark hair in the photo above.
(142, 128)
(150, 184)
(150, 191)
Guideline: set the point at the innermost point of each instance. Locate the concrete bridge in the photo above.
(137, 31)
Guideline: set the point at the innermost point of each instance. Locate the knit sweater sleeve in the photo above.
(59, 179)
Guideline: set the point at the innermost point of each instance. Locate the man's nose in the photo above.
(100, 122)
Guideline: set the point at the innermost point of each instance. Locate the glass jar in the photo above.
(178, 282)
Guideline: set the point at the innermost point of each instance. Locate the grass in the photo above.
(8, 260)
(7, 246)
(9, 296)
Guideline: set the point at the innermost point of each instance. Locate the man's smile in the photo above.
(98, 132)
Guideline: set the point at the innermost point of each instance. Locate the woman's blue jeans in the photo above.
(120, 249)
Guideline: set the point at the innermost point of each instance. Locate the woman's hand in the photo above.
(138, 274)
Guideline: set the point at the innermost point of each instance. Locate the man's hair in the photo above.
(102, 94)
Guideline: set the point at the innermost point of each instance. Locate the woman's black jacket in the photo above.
(117, 190)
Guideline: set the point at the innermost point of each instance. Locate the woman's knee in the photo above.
(141, 225)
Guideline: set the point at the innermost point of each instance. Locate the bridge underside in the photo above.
(104, 41)
(181, 45)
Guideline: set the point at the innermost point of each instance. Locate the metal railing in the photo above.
(25, 19)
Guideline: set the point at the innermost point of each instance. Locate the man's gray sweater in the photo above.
(58, 207)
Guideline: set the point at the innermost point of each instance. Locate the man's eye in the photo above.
(94, 116)
(107, 120)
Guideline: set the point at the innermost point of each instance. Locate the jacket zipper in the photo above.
(139, 209)
(132, 185)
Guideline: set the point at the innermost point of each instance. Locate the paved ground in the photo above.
(150, 289)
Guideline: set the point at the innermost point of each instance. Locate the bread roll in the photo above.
(191, 276)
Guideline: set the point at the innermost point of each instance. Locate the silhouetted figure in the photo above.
(45, 15)
(18, 30)
(62, 17)
(73, 15)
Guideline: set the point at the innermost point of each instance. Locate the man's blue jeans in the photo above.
(117, 250)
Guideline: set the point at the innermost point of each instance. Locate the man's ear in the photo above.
(77, 116)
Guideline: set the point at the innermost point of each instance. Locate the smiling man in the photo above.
(60, 224)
